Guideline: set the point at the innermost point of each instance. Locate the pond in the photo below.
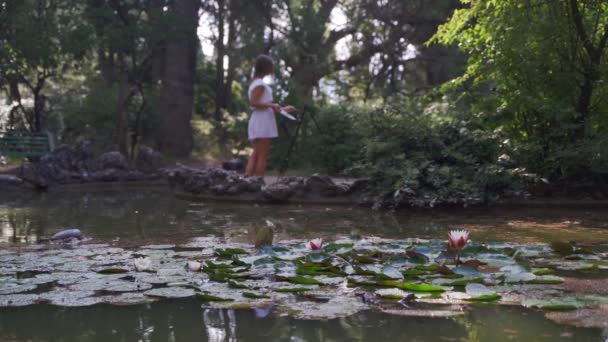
(81, 292)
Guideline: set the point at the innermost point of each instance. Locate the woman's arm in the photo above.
(255, 102)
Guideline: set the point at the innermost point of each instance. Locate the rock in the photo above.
(113, 160)
(67, 234)
(321, 185)
(13, 183)
(148, 160)
(108, 175)
(278, 192)
(254, 184)
(359, 187)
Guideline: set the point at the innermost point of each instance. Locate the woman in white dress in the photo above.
(262, 124)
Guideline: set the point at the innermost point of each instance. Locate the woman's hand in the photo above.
(275, 107)
(289, 109)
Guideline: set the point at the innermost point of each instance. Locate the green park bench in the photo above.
(25, 144)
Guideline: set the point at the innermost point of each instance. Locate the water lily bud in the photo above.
(194, 266)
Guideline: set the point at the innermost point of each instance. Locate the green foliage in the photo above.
(417, 159)
(547, 62)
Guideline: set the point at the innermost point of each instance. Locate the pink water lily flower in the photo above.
(457, 239)
(315, 244)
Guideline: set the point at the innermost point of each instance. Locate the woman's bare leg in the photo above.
(252, 159)
(262, 155)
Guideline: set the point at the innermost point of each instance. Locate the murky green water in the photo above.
(133, 216)
(139, 217)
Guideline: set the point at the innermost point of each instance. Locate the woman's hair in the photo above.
(263, 66)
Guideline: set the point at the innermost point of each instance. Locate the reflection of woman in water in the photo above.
(262, 124)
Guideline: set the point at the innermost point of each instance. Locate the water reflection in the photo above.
(139, 216)
(185, 320)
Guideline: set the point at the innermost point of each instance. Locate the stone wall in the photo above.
(78, 164)
(69, 164)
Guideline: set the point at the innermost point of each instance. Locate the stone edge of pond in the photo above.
(164, 185)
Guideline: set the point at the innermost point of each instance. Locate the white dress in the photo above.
(262, 123)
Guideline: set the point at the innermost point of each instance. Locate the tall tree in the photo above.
(177, 90)
(383, 32)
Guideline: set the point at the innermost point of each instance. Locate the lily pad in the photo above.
(254, 295)
(205, 297)
(303, 280)
(14, 288)
(170, 292)
(18, 300)
(389, 272)
(391, 293)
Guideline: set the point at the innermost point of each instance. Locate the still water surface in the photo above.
(140, 217)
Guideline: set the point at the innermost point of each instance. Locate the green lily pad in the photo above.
(486, 298)
(391, 293)
(481, 293)
(303, 280)
(206, 297)
(389, 272)
(18, 300)
(170, 292)
(14, 288)
(235, 285)
(112, 270)
(543, 271)
(292, 289)
(254, 295)
(547, 280)
(229, 252)
(410, 286)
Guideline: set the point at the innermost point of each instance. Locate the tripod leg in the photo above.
(292, 144)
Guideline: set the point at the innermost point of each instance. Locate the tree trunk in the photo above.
(177, 90)
(220, 81)
(120, 112)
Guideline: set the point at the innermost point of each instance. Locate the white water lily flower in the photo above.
(315, 244)
(142, 264)
(457, 239)
(194, 266)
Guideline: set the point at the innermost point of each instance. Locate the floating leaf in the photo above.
(206, 297)
(18, 300)
(543, 271)
(293, 289)
(486, 298)
(481, 293)
(547, 280)
(389, 272)
(303, 280)
(254, 296)
(391, 293)
(464, 282)
(112, 270)
(337, 247)
(236, 285)
(170, 292)
(411, 286)
(562, 248)
(229, 252)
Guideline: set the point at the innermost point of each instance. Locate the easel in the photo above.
(294, 137)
